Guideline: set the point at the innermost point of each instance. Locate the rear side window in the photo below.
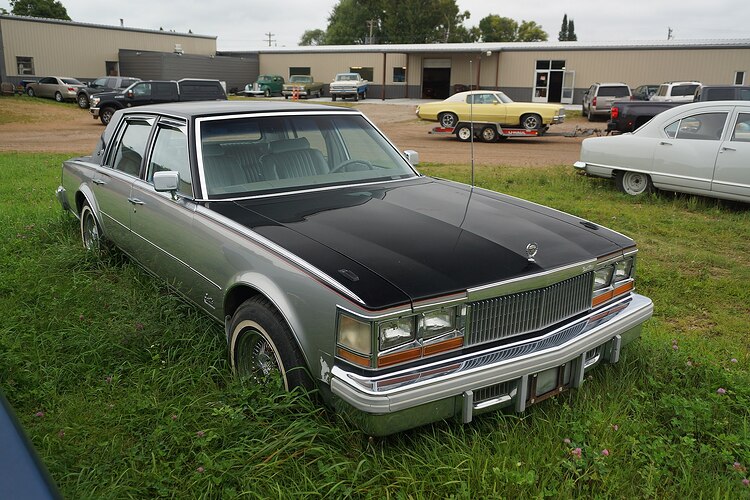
(619, 91)
(201, 90)
(701, 127)
(164, 90)
(132, 146)
(662, 90)
(681, 90)
(742, 128)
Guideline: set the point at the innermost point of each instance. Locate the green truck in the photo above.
(304, 85)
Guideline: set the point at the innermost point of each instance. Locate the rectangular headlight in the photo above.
(622, 270)
(355, 335)
(438, 322)
(603, 277)
(396, 332)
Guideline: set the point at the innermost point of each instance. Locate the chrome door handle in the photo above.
(135, 201)
(727, 148)
(664, 143)
(99, 182)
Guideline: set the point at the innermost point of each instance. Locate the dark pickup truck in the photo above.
(626, 116)
(104, 105)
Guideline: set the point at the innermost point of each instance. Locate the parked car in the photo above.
(348, 85)
(626, 116)
(265, 85)
(644, 92)
(722, 93)
(22, 475)
(304, 85)
(104, 105)
(676, 91)
(59, 88)
(103, 84)
(700, 148)
(598, 99)
(491, 106)
(332, 263)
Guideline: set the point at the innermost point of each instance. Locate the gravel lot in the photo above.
(68, 129)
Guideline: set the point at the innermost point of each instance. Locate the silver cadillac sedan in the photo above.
(335, 266)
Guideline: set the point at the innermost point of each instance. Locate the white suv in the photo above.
(676, 92)
(597, 100)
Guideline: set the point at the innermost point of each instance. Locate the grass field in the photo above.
(126, 392)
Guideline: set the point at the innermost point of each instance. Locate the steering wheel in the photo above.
(344, 166)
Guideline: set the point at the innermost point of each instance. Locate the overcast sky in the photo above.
(241, 25)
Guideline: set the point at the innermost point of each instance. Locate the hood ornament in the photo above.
(531, 250)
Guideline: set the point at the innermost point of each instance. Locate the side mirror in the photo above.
(412, 157)
(129, 94)
(167, 181)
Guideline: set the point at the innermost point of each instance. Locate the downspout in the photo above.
(382, 96)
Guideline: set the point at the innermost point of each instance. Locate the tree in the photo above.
(397, 21)
(313, 37)
(572, 37)
(563, 35)
(495, 28)
(529, 31)
(50, 9)
(567, 31)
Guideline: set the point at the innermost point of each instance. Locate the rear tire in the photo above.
(91, 233)
(59, 97)
(262, 349)
(634, 183)
(489, 134)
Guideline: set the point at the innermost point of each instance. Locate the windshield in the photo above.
(300, 79)
(246, 156)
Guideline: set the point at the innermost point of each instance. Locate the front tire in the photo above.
(105, 115)
(83, 101)
(333, 98)
(30, 92)
(531, 122)
(364, 95)
(267, 92)
(634, 183)
(448, 120)
(262, 349)
(463, 133)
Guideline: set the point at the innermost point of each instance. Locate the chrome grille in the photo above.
(494, 391)
(524, 312)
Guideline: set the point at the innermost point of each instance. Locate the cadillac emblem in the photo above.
(531, 250)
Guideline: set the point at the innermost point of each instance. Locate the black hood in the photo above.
(419, 239)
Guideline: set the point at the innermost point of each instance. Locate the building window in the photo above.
(739, 78)
(365, 73)
(399, 74)
(299, 70)
(25, 65)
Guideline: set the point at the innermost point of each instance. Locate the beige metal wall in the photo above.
(634, 67)
(325, 66)
(81, 51)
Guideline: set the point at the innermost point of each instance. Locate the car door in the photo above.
(161, 223)
(46, 87)
(685, 156)
(486, 108)
(732, 173)
(113, 181)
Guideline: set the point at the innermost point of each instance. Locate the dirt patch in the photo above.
(64, 128)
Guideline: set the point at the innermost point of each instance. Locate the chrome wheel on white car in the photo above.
(634, 183)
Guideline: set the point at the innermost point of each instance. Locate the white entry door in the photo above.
(568, 84)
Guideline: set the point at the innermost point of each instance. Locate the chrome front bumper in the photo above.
(385, 404)
(94, 113)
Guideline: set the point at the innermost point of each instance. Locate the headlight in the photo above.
(395, 333)
(355, 335)
(613, 278)
(603, 277)
(95, 101)
(435, 323)
(622, 270)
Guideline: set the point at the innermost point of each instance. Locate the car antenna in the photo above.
(471, 127)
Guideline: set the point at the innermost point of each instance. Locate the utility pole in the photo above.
(669, 33)
(270, 38)
(371, 25)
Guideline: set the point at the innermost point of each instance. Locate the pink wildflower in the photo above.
(200, 434)
(605, 452)
(139, 326)
(39, 414)
(733, 360)
(576, 453)
(746, 482)
(174, 417)
(80, 317)
(721, 390)
(61, 433)
(200, 469)
(689, 363)
(738, 466)
(566, 440)
(675, 346)
(615, 427)
(108, 379)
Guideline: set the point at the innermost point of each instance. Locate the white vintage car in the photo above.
(700, 148)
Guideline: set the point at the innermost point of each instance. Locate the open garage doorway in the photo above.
(436, 78)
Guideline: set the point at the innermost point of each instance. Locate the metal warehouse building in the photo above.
(537, 71)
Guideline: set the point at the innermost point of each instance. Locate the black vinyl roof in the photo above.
(194, 109)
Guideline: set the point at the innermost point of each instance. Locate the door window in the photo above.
(741, 131)
(132, 145)
(701, 127)
(171, 154)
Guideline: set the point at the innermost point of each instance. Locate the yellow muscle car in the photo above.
(491, 106)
